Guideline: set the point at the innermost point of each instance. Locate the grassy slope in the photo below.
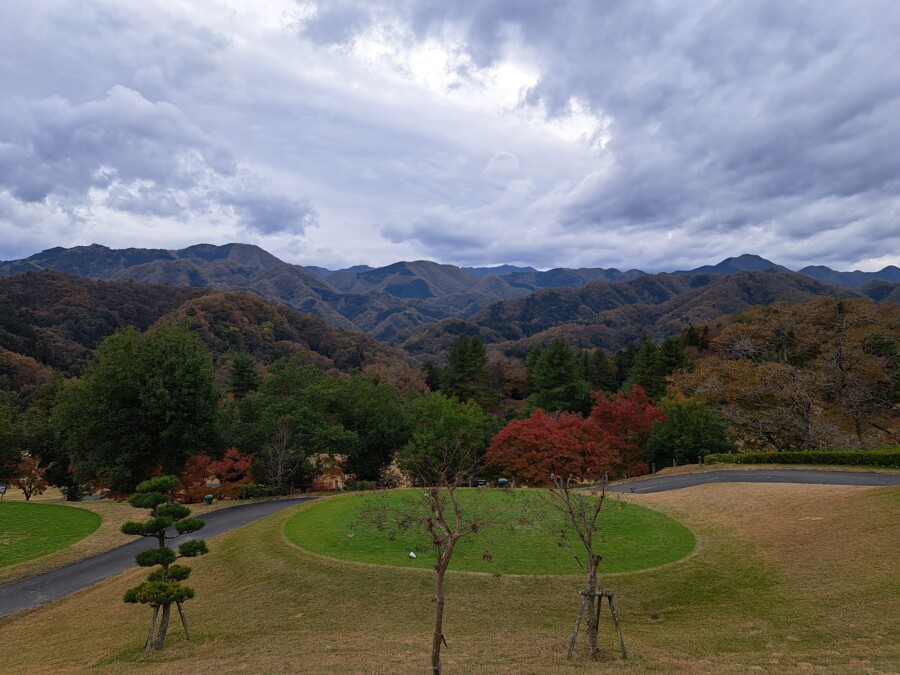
(785, 578)
(107, 536)
(522, 538)
(33, 530)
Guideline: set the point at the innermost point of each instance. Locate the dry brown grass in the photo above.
(708, 468)
(787, 578)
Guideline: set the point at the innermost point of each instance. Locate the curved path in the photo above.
(37, 590)
(805, 476)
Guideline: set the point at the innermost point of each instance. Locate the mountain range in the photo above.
(421, 304)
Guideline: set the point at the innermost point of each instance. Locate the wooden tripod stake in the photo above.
(585, 602)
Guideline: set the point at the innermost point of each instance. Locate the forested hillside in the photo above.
(612, 315)
(390, 302)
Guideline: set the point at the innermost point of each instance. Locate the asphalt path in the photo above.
(42, 588)
(805, 476)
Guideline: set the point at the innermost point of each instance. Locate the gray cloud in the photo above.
(645, 135)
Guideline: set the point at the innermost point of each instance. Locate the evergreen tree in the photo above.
(556, 382)
(243, 378)
(689, 432)
(600, 371)
(466, 376)
(163, 586)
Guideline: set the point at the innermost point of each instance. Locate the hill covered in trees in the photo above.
(51, 320)
(389, 301)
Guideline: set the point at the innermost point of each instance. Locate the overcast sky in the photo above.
(599, 133)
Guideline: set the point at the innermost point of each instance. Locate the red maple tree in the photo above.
(611, 439)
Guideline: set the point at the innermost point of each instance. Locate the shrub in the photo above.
(362, 485)
(255, 491)
(883, 458)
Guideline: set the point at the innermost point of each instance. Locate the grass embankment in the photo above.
(105, 537)
(522, 536)
(786, 578)
(32, 530)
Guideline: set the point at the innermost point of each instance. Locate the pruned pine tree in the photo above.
(163, 587)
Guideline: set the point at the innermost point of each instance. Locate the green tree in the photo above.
(556, 382)
(163, 586)
(10, 445)
(148, 402)
(242, 378)
(322, 414)
(689, 432)
(599, 370)
(466, 376)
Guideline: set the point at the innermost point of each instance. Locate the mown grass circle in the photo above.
(522, 536)
(29, 530)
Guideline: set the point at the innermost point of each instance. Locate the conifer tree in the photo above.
(556, 381)
(163, 587)
(466, 376)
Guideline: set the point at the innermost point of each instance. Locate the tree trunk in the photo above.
(438, 639)
(440, 570)
(163, 627)
(149, 643)
(593, 613)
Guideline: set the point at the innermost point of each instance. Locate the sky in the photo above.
(656, 135)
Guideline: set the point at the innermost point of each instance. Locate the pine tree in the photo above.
(163, 586)
(466, 375)
(556, 381)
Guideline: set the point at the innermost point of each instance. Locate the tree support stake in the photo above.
(585, 605)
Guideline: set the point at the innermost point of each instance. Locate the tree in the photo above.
(556, 382)
(445, 453)
(281, 458)
(796, 376)
(611, 439)
(582, 512)
(625, 421)
(355, 417)
(545, 445)
(10, 451)
(689, 432)
(163, 586)
(466, 375)
(30, 476)
(243, 378)
(149, 401)
(598, 369)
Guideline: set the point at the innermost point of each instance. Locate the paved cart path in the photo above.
(805, 476)
(42, 588)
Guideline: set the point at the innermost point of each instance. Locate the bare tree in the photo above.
(582, 513)
(445, 454)
(281, 458)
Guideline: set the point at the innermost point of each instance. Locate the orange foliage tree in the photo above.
(30, 476)
(232, 471)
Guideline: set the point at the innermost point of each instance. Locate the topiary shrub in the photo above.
(163, 586)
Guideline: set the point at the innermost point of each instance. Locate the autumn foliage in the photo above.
(232, 471)
(611, 439)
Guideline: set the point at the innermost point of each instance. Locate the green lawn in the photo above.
(29, 530)
(523, 536)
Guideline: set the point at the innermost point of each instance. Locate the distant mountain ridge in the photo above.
(389, 302)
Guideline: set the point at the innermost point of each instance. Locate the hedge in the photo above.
(255, 491)
(884, 458)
